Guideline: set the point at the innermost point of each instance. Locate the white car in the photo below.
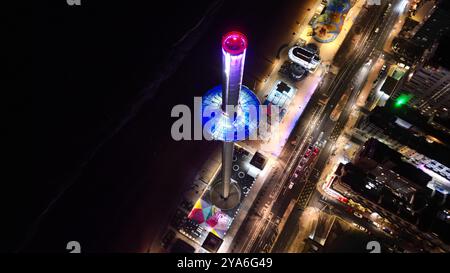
(291, 185)
(376, 224)
(357, 214)
(360, 227)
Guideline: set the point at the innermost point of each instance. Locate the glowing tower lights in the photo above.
(238, 115)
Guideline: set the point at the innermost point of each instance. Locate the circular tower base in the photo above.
(229, 203)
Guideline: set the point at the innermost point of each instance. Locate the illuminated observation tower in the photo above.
(236, 122)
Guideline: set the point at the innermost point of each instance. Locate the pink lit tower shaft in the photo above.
(234, 45)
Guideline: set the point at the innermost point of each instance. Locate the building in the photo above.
(381, 175)
(375, 156)
(388, 189)
(434, 27)
(416, 5)
(407, 50)
(305, 56)
(424, 46)
(408, 27)
(416, 141)
(402, 128)
(429, 85)
(280, 96)
(389, 86)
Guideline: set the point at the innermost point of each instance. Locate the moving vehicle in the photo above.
(308, 151)
(323, 99)
(387, 230)
(315, 151)
(312, 150)
(336, 113)
(357, 214)
(359, 227)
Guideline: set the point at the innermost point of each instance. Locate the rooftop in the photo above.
(392, 160)
(441, 57)
(234, 43)
(417, 136)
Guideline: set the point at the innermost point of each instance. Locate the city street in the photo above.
(351, 77)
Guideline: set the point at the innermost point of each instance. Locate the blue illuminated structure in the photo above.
(226, 128)
(237, 107)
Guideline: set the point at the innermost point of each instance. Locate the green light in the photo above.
(402, 100)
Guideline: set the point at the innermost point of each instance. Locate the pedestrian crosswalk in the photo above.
(306, 193)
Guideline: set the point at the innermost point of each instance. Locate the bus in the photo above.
(336, 113)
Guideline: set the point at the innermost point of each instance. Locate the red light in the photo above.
(308, 153)
(316, 151)
(234, 43)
